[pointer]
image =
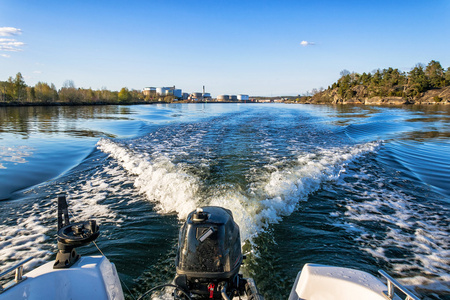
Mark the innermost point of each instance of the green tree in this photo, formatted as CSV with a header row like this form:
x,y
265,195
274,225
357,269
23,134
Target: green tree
x,y
365,78
20,88
447,77
124,95
344,85
434,73
417,81
377,78
374,87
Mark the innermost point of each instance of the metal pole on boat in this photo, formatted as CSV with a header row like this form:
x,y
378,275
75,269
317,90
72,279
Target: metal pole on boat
x,y
18,268
19,274
391,283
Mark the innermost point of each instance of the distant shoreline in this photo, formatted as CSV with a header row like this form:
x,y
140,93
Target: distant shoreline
x,y
19,104
437,96
422,85
388,101
25,104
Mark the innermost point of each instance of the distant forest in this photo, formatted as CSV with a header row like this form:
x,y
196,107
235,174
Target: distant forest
x,y
390,82
15,91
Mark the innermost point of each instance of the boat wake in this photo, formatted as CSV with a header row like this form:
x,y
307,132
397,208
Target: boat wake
x,y
32,235
273,191
407,231
386,208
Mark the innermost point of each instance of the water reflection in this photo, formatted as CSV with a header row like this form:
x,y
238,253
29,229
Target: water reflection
x,y
428,122
427,135
38,143
57,119
14,155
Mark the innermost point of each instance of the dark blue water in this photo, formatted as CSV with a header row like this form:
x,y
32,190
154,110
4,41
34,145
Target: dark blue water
x,y
360,187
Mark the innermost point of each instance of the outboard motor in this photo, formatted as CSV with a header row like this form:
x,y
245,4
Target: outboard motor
x,y
209,255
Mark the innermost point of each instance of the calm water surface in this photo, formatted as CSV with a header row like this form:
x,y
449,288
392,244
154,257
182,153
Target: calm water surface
x,y
360,187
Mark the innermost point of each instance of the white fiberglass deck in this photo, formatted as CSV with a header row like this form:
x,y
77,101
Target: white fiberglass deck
x,y
319,282
91,277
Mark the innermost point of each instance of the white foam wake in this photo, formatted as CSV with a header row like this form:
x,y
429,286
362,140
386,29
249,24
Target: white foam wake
x,y
165,184
22,239
275,191
279,192
29,235
412,228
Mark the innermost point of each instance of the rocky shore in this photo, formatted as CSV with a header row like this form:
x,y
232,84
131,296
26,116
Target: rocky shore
x,y
435,96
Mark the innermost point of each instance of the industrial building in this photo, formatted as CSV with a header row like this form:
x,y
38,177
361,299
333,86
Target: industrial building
x,y
200,97
163,91
223,98
239,97
149,91
178,93
242,97
196,96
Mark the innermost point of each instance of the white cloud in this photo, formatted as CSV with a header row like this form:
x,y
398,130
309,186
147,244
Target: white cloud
x,y
7,56
37,72
306,43
8,31
10,45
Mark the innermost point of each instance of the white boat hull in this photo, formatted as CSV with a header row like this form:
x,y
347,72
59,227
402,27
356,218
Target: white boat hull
x,y
91,277
319,282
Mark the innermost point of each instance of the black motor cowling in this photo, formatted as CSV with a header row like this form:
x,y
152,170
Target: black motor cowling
x,y
209,252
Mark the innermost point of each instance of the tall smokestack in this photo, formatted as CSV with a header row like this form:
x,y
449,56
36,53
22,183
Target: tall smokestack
x,y
203,89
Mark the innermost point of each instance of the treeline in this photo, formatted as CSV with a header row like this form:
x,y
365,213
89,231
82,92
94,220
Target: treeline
x,y
392,82
15,91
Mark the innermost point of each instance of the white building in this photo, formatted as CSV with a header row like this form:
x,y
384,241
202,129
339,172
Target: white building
x,y
162,90
148,91
242,97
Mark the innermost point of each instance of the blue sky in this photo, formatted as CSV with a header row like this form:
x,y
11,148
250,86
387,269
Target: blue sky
x,y
231,47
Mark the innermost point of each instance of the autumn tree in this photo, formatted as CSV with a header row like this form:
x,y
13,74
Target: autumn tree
x,y
44,92
137,95
68,93
31,94
124,95
6,90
